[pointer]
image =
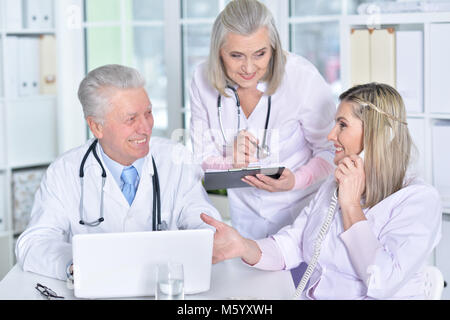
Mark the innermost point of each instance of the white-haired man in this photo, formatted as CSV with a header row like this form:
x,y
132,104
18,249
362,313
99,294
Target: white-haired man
x,y
110,183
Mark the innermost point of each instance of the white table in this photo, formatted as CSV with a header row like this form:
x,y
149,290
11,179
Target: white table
x,y
231,279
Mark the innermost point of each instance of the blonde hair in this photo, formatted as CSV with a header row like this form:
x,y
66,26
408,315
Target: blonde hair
x,y
244,17
387,142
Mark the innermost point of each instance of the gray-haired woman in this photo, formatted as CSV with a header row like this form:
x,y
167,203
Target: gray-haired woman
x,y
253,103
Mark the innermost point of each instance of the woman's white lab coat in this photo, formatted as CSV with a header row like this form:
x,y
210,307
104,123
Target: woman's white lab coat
x,y
379,258
45,246
302,115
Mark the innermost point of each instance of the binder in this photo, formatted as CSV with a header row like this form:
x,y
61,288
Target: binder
x,y
38,15
382,54
441,159
31,13
45,14
439,68
47,79
28,66
11,66
360,56
2,203
409,69
14,14
2,139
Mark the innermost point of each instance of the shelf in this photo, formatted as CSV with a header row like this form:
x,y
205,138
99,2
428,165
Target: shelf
x,y
30,98
5,234
437,116
386,18
434,116
316,19
398,18
29,32
416,115
31,165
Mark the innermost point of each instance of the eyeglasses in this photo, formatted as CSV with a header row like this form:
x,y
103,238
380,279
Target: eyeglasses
x,y
47,292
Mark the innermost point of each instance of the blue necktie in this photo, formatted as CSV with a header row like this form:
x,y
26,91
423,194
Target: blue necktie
x,y
128,176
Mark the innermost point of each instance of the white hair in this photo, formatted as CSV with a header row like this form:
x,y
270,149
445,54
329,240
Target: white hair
x,y
244,17
98,86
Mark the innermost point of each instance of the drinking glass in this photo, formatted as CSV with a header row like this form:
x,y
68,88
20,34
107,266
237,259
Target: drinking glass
x,y
169,281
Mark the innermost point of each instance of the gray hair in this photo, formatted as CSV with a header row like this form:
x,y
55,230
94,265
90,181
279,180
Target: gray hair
x,y
98,86
244,17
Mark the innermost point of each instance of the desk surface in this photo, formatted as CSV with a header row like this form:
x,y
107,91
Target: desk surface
x,y
231,279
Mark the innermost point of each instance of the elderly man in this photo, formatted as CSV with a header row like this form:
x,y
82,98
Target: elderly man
x,y
110,183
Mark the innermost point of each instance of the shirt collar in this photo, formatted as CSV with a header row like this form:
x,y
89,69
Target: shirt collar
x,y
261,86
116,168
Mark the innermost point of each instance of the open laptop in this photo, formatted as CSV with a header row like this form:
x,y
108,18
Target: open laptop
x,y
112,265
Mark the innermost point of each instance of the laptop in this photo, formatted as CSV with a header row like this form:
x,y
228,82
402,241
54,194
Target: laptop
x,y
114,265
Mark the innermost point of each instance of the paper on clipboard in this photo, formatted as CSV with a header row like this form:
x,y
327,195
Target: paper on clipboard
x,y
226,179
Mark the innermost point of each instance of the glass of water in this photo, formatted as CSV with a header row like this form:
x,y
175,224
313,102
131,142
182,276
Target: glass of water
x,y
169,281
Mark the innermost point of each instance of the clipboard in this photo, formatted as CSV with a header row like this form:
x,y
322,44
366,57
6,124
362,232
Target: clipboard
x,y
226,179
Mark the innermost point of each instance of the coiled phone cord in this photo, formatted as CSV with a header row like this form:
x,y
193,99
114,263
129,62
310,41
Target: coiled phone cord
x,y
317,245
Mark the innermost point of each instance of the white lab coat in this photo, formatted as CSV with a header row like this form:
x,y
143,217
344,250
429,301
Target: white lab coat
x,y
381,258
45,246
302,115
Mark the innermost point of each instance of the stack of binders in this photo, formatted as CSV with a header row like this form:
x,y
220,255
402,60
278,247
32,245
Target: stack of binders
x,y
391,57
30,67
30,61
29,14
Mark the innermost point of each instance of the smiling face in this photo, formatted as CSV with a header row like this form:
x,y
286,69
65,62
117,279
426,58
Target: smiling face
x,y
347,134
246,58
125,134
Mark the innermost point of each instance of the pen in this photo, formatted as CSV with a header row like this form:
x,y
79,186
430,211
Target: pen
x,y
261,151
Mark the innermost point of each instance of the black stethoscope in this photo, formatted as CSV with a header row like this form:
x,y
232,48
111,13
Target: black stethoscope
x,y
263,150
157,225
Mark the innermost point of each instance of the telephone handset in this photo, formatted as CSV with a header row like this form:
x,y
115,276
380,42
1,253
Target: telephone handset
x,y
318,244
361,154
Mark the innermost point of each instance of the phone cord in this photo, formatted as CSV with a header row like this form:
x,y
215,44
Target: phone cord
x,y
317,246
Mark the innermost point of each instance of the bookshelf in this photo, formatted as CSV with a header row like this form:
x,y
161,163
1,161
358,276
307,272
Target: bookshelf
x,y
28,111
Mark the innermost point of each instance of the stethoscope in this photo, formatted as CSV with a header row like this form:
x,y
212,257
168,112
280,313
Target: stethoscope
x,y
263,151
157,225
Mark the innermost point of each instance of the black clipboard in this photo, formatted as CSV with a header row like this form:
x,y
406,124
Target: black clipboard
x,y
226,179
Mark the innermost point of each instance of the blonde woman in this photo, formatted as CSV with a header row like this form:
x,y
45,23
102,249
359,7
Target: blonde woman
x,y
386,223
253,103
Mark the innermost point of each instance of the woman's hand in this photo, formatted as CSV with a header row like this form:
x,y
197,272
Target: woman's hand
x,y
284,183
244,149
351,180
228,243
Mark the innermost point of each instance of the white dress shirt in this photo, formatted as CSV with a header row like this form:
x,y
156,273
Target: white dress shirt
x,y
302,115
45,246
